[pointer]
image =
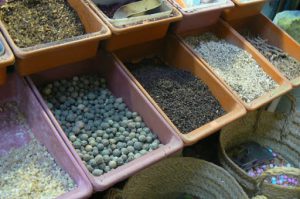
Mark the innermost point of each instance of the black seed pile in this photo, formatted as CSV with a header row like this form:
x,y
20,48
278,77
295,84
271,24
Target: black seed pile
x,y
184,98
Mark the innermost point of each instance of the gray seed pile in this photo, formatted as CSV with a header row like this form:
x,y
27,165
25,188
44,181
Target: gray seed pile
x,y
288,65
31,172
104,132
234,65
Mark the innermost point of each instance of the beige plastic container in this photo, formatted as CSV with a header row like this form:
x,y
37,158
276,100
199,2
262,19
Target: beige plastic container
x,y
177,55
243,9
45,56
140,32
224,31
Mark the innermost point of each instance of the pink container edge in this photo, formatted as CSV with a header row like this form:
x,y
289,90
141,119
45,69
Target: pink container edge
x,y
16,89
121,86
193,20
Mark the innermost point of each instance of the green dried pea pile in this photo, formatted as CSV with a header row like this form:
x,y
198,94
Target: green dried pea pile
x,y
104,132
33,22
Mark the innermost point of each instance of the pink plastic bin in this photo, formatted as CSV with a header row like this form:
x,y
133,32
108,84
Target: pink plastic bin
x,y
16,89
121,86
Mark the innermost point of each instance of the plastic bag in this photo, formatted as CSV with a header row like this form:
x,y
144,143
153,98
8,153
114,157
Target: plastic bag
x,y
290,22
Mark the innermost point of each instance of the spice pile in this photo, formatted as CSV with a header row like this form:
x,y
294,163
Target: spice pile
x,y
185,99
31,172
288,65
104,132
27,171
234,65
33,22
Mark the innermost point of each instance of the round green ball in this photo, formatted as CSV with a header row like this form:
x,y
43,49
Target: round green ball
x,y
105,142
99,159
95,151
107,169
138,119
116,152
72,138
112,164
97,172
86,157
88,148
105,152
84,137
130,149
143,152
84,142
124,151
142,138
138,146
92,162
106,158
93,143
100,146
77,144
112,141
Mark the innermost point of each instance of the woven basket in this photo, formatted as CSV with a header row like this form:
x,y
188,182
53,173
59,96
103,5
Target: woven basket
x,y
275,130
168,178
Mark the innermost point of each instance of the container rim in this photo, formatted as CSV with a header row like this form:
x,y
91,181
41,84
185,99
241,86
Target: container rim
x,y
251,2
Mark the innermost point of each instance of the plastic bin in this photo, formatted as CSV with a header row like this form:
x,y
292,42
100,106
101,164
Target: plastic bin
x,y
177,55
141,32
16,89
5,60
199,17
243,9
121,86
262,26
224,31
45,56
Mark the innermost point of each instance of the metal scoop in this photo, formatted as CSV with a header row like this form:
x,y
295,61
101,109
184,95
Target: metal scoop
x,y
136,8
